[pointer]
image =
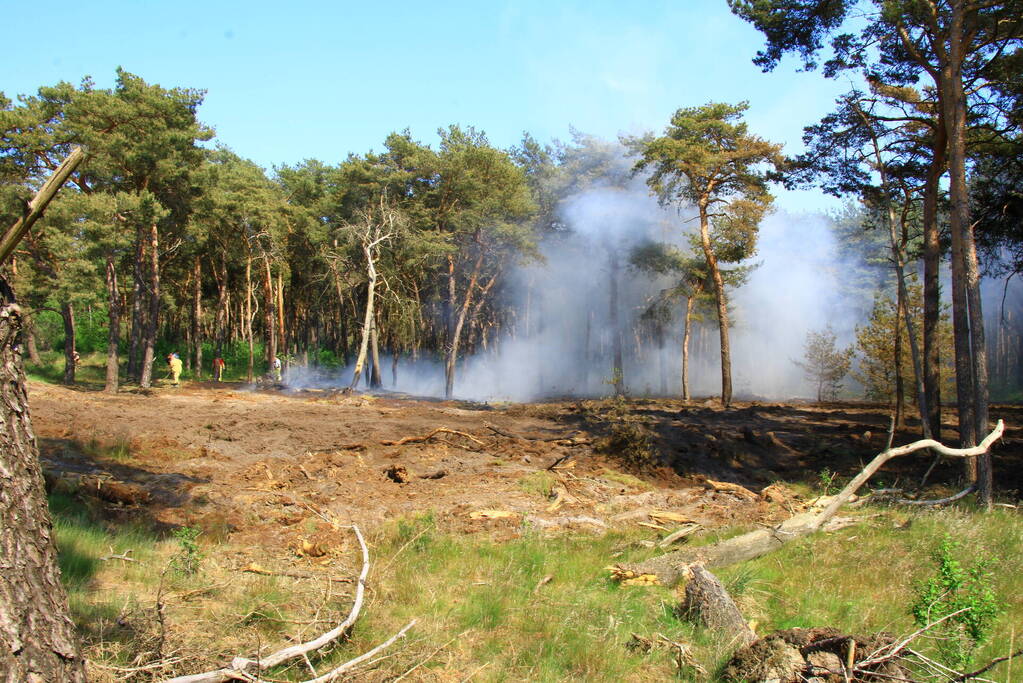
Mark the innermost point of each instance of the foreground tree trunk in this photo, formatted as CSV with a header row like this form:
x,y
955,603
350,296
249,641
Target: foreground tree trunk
x,y
37,638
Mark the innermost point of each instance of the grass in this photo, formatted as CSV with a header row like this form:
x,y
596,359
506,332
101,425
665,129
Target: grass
x,y
488,609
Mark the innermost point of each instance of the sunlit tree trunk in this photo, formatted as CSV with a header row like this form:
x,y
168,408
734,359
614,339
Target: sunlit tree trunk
x,y
686,329
722,304
37,636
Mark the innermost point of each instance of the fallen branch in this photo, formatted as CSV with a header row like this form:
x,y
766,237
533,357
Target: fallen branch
x,y
123,557
242,667
435,432
543,439
254,568
671,566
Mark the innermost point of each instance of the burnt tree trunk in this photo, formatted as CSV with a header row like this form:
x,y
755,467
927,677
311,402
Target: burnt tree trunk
x,y
37,637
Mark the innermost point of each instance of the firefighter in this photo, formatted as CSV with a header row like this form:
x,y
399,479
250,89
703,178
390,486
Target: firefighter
x,y
218,369
275,364
174,361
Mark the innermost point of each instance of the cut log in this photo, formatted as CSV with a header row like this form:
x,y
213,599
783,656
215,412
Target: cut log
x,y
707,603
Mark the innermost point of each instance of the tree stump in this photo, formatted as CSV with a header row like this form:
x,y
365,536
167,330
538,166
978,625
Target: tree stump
x,y
707,602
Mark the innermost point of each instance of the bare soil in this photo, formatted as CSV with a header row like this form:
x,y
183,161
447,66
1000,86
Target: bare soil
x,y
251,465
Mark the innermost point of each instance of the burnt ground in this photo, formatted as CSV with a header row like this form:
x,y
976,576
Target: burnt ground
x,y
251,465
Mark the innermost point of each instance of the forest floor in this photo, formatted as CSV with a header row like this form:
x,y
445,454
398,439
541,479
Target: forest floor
x,y
271,477
252,463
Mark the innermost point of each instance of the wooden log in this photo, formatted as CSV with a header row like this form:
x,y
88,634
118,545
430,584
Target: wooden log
x,y
708,603
670,567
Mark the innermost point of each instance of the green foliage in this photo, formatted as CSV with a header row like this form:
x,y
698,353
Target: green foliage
x,y
187,560
824,365
827,481
963,597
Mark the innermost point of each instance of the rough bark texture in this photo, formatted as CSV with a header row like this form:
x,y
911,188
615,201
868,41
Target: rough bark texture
x,y
707,602
37,639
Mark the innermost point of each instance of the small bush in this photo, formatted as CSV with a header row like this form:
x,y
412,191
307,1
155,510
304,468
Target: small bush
x,y
188,558
954,589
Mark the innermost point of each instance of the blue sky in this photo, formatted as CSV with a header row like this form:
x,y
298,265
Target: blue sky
x,y
290,81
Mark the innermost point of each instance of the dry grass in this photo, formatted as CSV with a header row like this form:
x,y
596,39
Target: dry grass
x,y
535,608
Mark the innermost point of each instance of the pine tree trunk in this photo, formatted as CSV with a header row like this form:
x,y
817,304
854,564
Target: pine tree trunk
x,y
722,305
900,392
37,637
932,287
456,333
67,313
153,322
367,320
970,350
375,379
248,317
114,327
617,371
30,344
686,329
138,289
197,317
269,312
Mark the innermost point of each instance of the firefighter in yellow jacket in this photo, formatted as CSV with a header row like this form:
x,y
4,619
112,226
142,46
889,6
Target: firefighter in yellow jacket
x,y
174,361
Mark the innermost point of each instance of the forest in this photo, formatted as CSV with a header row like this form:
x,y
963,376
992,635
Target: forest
x,y
638,297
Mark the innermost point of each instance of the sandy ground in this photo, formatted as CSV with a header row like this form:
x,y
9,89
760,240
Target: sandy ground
x,y
252,465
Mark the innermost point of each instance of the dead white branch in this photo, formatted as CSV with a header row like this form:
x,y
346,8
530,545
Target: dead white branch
x,y
671,566
245,668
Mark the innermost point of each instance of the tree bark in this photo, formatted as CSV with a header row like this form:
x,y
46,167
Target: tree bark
x,y
708,603
37,638
114,327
